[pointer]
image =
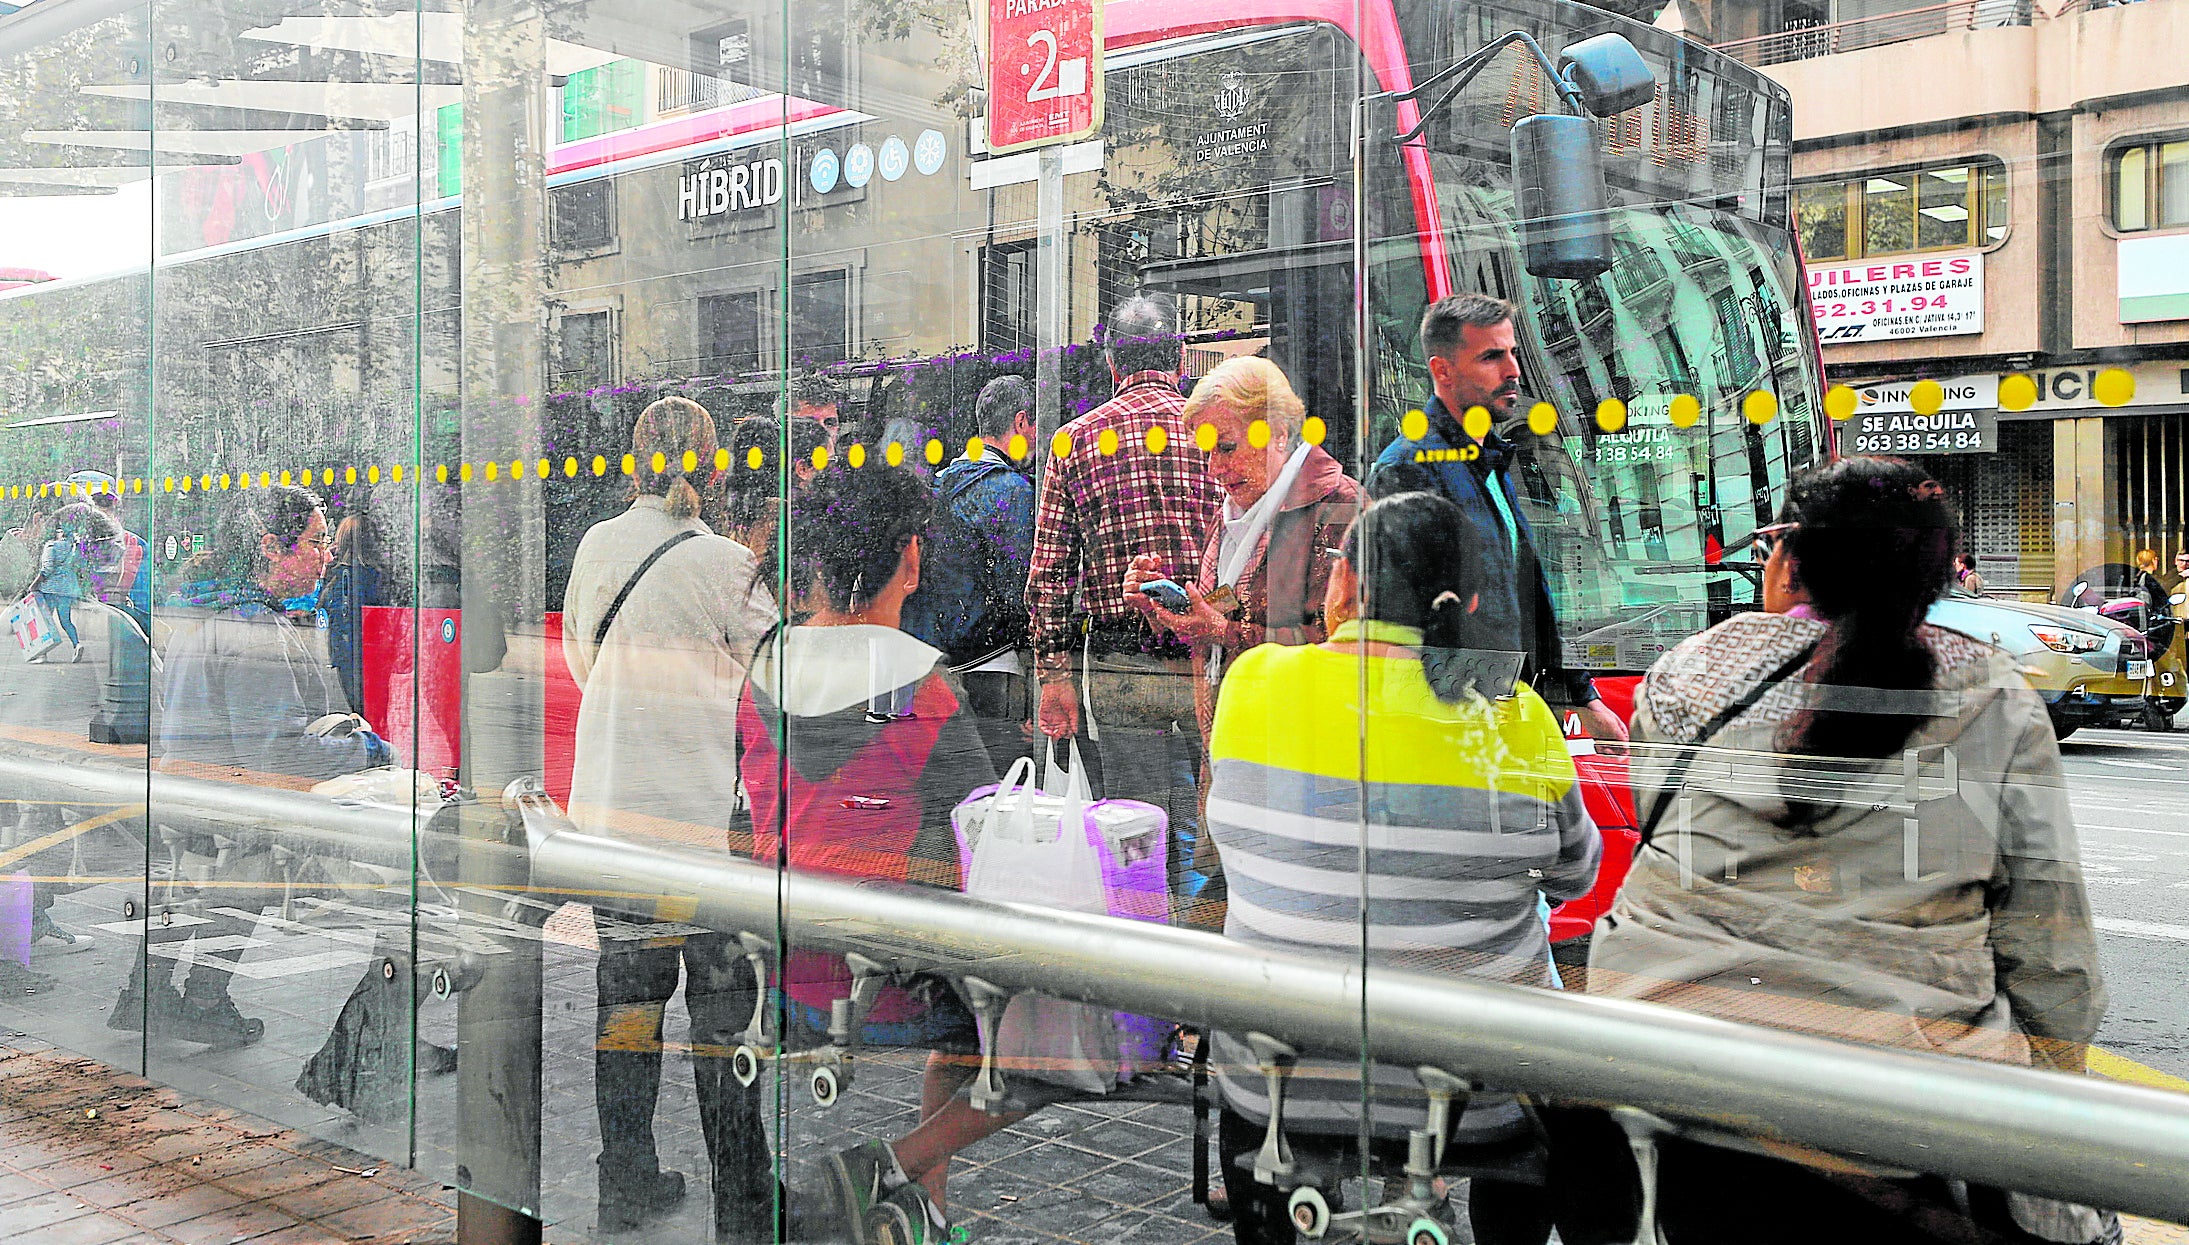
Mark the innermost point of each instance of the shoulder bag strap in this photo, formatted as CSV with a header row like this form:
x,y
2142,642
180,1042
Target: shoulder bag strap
x,y
1676,775
615,607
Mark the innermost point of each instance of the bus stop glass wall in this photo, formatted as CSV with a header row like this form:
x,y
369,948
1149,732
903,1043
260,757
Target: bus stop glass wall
x,y
77,396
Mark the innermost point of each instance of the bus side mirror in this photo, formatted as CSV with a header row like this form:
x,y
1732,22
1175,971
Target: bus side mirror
x,y
1560,196
1609,75
1565,233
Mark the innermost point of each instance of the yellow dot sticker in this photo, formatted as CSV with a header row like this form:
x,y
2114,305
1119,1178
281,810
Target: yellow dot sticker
x,y
1415,425
721,460
570,467
224,481
1611,415
265,480
440,473
1542,419
284,479
545,467
372,474
1106,444
2017,392
2114,387
398,473
1258,433
1840,402
1204,436
1061,444
753,458
1476,422
167,485
691,461
933,451
600,465
630,464
893,454
820,458
1018,448
1926,397
856,455
493,469
463,473
1157,440
349,475
659,462
975,448
1314,430
516,469
1761,407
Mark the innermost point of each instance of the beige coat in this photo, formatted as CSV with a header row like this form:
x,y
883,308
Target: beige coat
x,y
657,722
1986,950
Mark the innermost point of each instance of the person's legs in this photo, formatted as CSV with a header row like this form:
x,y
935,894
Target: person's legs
x,y
1002,714
947,1125
1258,1210
718,991
64,612
632,984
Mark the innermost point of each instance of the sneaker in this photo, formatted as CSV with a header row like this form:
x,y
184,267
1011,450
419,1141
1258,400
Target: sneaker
x,y
907,1216
129,1009
625,1205
214,1022
861,1178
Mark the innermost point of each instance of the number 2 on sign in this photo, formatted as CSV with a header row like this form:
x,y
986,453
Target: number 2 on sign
x,y
1050,83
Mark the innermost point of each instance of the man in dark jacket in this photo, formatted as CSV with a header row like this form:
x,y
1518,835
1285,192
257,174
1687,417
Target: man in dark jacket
x,y
1473,358
971,603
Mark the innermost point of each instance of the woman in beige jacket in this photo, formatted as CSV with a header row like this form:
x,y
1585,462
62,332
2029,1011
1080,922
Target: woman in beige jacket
x,y
1856,826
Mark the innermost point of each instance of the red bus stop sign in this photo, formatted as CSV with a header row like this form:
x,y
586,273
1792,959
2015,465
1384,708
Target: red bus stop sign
x,y
1044,72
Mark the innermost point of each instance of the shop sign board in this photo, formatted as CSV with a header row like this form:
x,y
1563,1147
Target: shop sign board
x,y
1044,72
1905,432
1930,295
725,185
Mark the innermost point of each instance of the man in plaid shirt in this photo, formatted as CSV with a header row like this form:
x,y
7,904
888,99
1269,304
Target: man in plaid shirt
x,y
1132,483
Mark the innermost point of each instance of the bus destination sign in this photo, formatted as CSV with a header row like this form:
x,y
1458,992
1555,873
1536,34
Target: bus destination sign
x,y
1044,72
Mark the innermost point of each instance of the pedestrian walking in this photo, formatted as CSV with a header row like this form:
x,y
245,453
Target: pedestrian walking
x,y
974,558
1470,342
1131,483
660,620
68,566
1785,880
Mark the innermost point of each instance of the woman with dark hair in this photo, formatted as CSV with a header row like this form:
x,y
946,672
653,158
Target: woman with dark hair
x,y
1471,806
1854,824
247,698
842,784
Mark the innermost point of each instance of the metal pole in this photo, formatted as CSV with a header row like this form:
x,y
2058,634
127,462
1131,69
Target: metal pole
x,y
1052,297
504,371
2082,1139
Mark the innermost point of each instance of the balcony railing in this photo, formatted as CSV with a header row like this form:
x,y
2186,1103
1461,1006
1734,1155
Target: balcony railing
x,y
1805,41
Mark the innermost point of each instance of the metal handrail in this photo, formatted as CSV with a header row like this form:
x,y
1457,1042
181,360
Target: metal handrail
x,y
2119,1146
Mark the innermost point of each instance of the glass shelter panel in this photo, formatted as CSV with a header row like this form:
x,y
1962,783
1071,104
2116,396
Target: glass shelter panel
x,y
610,604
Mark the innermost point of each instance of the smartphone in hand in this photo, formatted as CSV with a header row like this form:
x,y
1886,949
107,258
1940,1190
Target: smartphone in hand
x,y
1167,593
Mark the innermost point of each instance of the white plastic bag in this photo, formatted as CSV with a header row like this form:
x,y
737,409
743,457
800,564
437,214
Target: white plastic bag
x,y
1022,857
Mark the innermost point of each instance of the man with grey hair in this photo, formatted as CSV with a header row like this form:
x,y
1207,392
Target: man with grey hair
x,y
1122,480
1474,361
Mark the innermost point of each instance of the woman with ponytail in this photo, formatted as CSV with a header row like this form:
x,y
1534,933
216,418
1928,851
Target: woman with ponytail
x,y
1786,878
659,624
1471,807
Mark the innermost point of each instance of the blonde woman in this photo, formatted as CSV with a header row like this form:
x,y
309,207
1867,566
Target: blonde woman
x,y
1287,504
660,622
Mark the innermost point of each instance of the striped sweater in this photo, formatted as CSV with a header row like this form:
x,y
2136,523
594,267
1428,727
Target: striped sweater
x,y
1464,813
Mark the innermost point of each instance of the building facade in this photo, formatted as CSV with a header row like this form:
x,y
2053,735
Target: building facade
x,y
1996,197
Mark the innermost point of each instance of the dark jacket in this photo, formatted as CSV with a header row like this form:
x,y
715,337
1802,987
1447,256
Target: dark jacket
x,y
971,603
1515,614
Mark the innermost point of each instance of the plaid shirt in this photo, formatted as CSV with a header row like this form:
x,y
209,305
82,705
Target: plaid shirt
x,y
1098,512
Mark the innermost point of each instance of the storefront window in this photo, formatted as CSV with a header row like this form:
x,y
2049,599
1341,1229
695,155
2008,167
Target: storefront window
x,y
1895,212
2150,184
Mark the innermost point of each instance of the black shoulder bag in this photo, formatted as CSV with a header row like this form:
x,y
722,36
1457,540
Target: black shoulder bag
x,y
1677,773
615,607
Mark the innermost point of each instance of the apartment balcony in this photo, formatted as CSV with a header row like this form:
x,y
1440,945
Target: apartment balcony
x,y
1801,39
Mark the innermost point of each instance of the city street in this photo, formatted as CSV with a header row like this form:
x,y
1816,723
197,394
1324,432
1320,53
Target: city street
x,y
2128,789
